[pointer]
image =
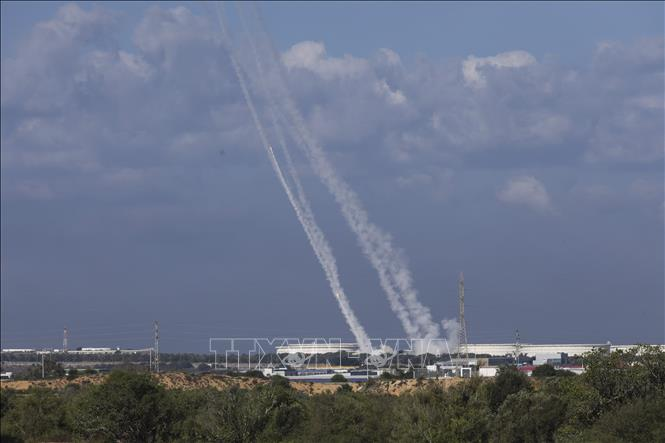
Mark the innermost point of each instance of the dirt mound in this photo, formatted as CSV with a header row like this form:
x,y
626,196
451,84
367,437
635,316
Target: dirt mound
x,y
179,380
53,383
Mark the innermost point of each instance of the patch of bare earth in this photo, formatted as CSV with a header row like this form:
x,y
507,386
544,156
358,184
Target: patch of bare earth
x,y
179,380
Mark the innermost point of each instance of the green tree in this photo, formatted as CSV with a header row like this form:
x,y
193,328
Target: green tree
x,y
623,375
348,417
544,371
529,417
459,414
338,378
37,415
642,420
128,407
508,381
72,374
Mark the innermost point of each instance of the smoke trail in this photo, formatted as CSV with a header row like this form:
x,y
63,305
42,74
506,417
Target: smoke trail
x,y
394,275
306,208
394,300
314,234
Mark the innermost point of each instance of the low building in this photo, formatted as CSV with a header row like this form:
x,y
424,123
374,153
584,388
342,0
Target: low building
x,y
317,348
488,371
533,350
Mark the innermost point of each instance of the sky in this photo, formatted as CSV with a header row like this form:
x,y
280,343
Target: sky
x,y
520,143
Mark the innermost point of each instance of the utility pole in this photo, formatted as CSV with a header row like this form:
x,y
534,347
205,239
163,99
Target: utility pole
x,y
65,335
518,347
462,345
156,347
42,365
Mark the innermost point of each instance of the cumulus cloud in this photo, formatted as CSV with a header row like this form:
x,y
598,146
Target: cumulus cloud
x,y
154,137
393,97
73,103
312,56
512,59
389,57
528,191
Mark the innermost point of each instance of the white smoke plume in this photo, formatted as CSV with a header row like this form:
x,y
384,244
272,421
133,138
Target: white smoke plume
x,y
451,326
303,211
394,275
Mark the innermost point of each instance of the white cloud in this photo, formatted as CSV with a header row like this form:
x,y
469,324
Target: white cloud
x,y
389,57
312,56
395,97
526,190
69,103
512,59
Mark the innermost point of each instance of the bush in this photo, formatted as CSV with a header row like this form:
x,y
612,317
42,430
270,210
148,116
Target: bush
x,y
457,414
128,406
349,417
544,371
254,373
387,376
278,380
640,421
621,398
508,381
525,415
37,415
338,378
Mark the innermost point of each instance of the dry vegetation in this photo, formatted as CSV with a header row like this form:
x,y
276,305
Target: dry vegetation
x,y
179,380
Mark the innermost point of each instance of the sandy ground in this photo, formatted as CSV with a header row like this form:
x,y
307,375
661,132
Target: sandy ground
x,y
177,380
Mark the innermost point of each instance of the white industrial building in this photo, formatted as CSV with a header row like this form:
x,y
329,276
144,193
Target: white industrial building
x,y
317,348
532,350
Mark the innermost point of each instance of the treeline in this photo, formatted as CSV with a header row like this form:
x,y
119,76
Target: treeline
x,y
115,356
343,358
621,397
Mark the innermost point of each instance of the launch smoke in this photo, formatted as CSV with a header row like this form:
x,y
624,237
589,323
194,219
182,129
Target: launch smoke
x,y
300,204
391,267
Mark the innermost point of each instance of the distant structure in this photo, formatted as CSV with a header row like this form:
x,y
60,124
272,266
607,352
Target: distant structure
x,y
518,346
156,347
462,345
317,348
65,334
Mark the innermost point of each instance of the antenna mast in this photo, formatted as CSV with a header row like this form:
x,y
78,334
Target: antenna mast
x,y
518,347
156,347
462,345
65,336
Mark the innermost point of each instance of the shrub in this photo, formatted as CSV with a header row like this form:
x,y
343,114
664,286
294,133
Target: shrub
x,y
128,406
338,378
524,415
508,381
72,374
254,373
544,371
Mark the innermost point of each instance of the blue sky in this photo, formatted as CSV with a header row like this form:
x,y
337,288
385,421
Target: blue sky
x,y
569,30
519,142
